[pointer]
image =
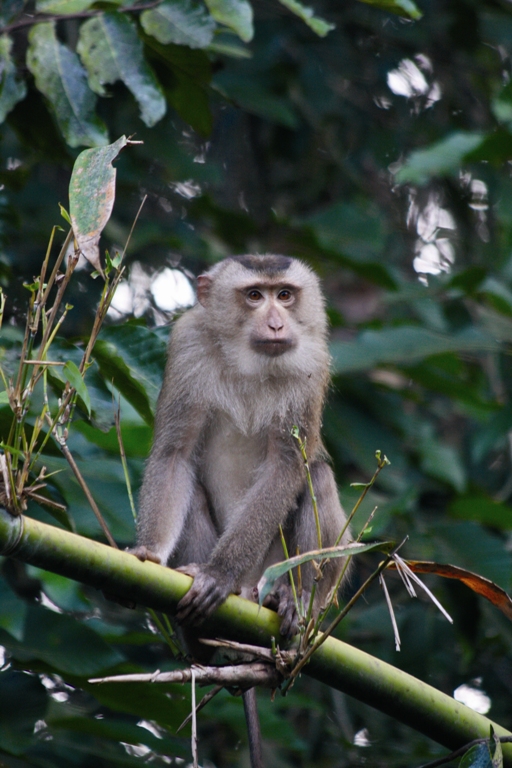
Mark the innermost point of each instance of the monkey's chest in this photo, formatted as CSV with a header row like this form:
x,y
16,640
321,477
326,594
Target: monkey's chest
x,y
228,468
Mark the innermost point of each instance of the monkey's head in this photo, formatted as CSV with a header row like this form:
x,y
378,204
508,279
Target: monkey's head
x,y
266,313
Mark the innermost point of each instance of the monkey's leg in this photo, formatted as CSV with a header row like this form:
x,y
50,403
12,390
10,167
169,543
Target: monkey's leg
x,y
198,537
301,533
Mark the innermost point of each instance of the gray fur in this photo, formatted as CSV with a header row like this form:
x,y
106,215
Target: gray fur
x,y
225,471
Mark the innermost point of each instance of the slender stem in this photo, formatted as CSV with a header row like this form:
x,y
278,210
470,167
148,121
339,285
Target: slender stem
x,y
302,447
67,453
2,306
117,422
382,461
292,581
168,636
134,221
40,17
332,626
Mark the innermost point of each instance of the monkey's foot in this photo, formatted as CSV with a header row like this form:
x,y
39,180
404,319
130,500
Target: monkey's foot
x,y
281,599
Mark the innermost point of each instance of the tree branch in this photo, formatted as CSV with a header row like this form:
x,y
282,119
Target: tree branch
x,y
337,664
40,18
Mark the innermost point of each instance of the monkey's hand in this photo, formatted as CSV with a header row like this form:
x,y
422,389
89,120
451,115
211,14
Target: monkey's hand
x,y
143,554
207,592
281,599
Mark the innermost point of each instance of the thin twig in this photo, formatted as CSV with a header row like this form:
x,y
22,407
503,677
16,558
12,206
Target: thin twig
x,y
133,226
194,721
124,462
258,651
290,573
391,611
45,17
235,675
382,461
332,626
83,485
204,701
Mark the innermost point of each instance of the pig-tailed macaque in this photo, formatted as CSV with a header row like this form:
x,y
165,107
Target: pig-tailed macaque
x,y
246,364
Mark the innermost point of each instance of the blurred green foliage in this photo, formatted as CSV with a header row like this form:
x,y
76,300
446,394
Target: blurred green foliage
x,y
380,153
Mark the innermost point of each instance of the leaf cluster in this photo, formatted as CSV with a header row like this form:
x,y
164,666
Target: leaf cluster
x,y
400,198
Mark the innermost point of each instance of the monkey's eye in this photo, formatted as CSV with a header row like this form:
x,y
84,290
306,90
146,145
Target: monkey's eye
x,y
285,295
254,295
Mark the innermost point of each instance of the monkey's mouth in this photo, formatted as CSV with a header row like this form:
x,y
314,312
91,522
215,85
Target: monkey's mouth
x,y
271,347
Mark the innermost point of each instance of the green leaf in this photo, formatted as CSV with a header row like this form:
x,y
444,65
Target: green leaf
x,y
63,592
117,730
105,479
137,438
9,9
75,378
91,196
482,509
12,88
182,60
132,358
319,26
405,344
13,611
111,50
440,159
64,7
497,758
256,98
357,235
235,14
502,104
186,90
63,643
441,461
477,756
23,702
144,700
62,80
274,572
183,22
497,294
404,8
191,102
473,547
357,230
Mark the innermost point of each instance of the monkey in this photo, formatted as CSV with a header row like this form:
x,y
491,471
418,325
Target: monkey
x,y
247,363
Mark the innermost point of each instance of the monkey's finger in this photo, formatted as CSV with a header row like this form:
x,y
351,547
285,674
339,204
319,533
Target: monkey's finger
x,y
143,554
289,622
288,612
197,604
271,601
191,569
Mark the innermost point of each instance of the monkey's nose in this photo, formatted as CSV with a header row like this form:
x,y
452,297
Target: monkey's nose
x,y
275,323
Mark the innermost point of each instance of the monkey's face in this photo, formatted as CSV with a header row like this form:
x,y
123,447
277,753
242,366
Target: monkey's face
x,y
265,315
269,317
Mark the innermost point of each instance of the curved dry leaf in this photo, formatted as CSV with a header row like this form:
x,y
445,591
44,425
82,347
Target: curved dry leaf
x,y
484,587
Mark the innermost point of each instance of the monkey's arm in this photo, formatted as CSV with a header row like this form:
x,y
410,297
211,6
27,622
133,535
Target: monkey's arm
x,y
169,483
253,527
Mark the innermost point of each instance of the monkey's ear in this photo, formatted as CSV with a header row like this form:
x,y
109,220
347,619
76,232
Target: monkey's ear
x,y
203,288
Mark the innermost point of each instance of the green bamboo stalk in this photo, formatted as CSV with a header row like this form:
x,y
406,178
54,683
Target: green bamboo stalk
x,y
335,663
